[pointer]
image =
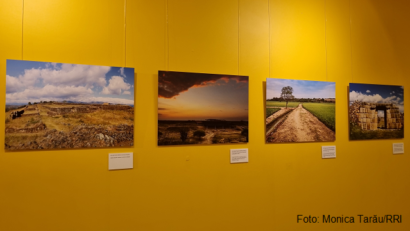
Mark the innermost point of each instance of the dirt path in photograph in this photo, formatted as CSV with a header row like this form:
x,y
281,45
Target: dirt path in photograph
x,y
277,114
301,126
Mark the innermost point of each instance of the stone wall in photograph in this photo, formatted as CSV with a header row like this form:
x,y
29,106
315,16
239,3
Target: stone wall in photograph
x,y
365,115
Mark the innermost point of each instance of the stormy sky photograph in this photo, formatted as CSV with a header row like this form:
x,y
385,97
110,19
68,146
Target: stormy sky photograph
x,y
195,96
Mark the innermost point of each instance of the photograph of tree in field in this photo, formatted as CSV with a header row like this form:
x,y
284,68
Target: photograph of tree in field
x,y
196,108
63,106
299,111
376,111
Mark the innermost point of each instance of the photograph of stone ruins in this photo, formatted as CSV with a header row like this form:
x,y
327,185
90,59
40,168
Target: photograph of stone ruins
x,y
65,106
376,112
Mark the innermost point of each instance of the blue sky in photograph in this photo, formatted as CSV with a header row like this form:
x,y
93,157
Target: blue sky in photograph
x,y
301,88
30,81
373,93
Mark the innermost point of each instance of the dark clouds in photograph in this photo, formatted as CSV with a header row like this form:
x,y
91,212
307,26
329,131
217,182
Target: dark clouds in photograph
x,y
171,84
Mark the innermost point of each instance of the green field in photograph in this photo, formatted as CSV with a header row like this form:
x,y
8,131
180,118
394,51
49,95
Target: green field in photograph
x,y
271,111
281,104
325,112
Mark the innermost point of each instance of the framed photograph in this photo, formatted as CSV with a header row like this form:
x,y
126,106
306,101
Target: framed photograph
x,y
64,106
300,111
196,108
376,111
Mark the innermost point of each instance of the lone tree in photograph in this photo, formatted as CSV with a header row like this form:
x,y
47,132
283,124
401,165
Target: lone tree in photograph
x,y
287,94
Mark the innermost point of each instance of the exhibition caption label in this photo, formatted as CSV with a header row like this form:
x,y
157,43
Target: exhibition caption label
x,y
398,148
118,161
239,156
328,152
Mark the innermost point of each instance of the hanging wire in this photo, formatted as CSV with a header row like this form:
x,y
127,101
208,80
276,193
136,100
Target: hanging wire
x,y
351,48
22,31
238,35
167,37
326,41
125,33
269,35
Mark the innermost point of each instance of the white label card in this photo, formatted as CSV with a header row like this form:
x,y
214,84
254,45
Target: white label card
x,y
239,156
118,161
398,148
328,152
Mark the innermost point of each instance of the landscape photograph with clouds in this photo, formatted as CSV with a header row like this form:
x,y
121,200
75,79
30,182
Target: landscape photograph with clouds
x,y
376,111
63,106
300,111
195,108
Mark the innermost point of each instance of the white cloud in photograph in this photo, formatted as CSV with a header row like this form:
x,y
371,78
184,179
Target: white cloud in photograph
x,y
375,98
28,81
116,86
67,75
121,71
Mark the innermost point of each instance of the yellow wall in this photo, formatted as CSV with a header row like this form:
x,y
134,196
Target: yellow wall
x,y
195,187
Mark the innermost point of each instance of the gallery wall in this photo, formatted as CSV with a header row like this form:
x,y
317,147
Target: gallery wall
x,y
195,187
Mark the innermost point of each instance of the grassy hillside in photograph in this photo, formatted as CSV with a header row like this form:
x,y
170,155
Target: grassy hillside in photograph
x,y
46,129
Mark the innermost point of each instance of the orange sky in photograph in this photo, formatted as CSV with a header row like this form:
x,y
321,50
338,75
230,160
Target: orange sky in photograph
x,y
193,96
